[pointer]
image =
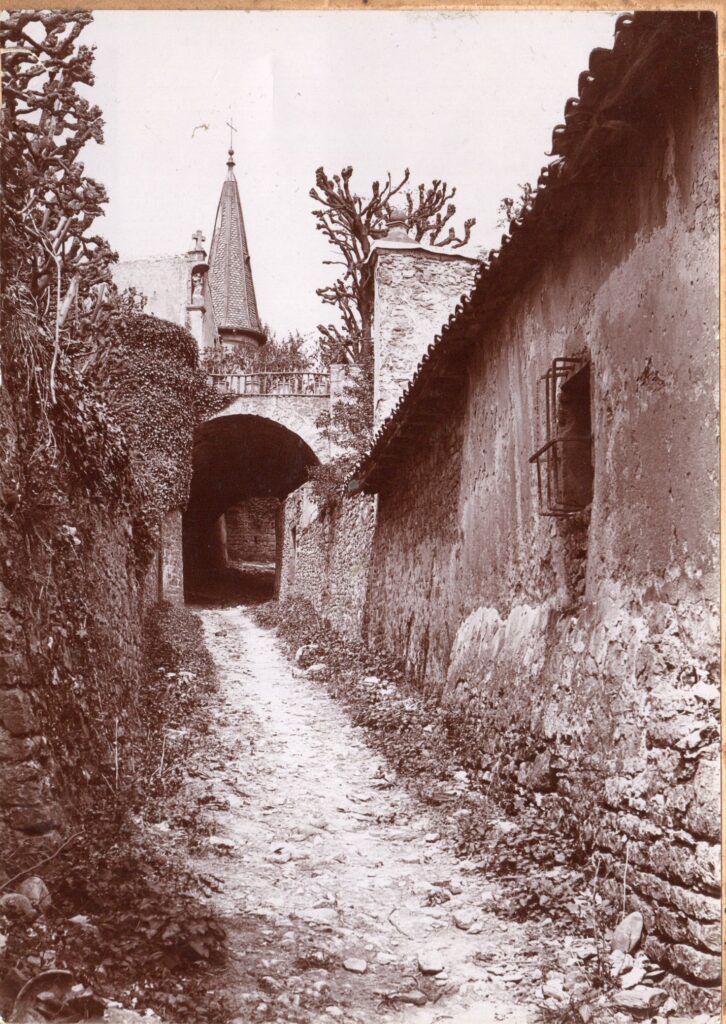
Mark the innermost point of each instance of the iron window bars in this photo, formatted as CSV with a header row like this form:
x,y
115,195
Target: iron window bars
x,y
564,460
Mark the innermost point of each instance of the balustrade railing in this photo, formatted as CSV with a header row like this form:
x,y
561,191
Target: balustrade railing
x,y
296,382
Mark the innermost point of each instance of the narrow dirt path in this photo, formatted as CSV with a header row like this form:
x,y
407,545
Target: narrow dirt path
x,y
335,884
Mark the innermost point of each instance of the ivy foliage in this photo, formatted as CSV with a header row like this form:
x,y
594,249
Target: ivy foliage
x,y
348,426
98,407
156,389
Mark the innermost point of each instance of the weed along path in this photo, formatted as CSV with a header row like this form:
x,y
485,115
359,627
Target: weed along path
x,y
342,901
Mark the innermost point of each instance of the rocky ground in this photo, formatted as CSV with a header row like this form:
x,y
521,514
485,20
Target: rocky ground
x,y
286,872
344,896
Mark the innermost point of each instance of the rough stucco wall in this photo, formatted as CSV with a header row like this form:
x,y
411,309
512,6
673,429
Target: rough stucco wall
x,y
296,412
207,331
326,557
164,280
585,654
166,283
415,292
251,530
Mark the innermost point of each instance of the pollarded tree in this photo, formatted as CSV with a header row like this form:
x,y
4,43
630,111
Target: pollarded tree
x,y
351,223
512,208
49,203
348,426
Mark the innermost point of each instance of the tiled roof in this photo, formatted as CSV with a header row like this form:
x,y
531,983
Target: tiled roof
x,y
594,125
230,273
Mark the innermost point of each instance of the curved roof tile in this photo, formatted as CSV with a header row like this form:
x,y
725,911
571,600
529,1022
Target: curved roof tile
x,y
604,68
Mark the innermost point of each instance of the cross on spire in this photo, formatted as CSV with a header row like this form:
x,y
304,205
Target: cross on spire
x,y
232,129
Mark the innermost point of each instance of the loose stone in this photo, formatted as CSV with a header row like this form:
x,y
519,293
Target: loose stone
x,y
355,966
17,907
35,889
641,998
634,977
464,919
620,962
553,989
627,934
430,963
415,998
221,842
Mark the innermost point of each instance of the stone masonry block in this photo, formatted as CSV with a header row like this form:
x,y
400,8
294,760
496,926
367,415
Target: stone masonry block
x,y
16,713
22,786
695,905
680,930
12,748
703,813
680,864
693,963
10,668
36,821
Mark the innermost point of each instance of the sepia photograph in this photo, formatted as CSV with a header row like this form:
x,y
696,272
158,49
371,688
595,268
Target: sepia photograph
x,y
360,650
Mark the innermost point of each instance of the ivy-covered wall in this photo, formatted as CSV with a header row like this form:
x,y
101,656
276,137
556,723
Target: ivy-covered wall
x,y
89,485
98,405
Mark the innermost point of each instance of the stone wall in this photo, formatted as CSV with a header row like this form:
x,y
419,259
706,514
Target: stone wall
x,y
326,557
251,531
415,291
585,651
36,796
70,623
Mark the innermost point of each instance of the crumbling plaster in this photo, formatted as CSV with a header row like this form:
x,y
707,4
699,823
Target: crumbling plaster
x,y
600,687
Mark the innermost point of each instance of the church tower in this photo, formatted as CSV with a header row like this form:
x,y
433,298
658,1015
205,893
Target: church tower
x,y
230,272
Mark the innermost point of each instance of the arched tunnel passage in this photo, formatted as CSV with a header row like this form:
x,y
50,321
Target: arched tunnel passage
x,y
237,459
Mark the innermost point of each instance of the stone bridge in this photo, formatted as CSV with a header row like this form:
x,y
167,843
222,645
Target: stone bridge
x,y
294,400
261,446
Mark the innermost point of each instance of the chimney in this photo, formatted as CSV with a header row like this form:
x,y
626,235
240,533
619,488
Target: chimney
x,y
415,289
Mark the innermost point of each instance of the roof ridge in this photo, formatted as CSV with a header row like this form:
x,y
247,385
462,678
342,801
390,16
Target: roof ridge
x,y
570,141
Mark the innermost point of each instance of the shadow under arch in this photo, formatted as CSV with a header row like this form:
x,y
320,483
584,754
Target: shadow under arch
x,y
234,458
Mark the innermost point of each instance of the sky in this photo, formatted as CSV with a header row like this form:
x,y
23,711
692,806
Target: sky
x,y
469,97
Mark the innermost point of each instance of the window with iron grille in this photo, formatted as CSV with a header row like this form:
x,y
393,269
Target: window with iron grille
x,y
564,459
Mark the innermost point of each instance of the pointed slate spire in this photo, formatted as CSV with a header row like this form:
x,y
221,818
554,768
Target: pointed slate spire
x,y
230,272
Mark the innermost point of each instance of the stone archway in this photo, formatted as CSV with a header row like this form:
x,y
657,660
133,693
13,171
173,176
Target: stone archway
x,y
236,457
297,412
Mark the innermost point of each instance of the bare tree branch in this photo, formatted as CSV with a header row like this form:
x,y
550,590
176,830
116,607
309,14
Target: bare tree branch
x,y
351,223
